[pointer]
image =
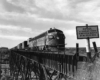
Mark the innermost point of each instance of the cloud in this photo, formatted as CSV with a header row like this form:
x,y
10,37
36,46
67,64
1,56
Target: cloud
x,y
41,8
34,21
10,7
70,32
22,5
87,11
60,11
16,16
83,11
14,37
78,10
15,28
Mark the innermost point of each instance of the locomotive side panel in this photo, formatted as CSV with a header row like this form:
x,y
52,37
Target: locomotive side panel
x,y
41,43
33,44
38,42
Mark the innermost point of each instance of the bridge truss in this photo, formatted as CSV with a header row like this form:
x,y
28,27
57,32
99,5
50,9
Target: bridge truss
x,y
43,65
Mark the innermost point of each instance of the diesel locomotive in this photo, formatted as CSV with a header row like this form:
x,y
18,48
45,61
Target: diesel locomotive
x,y
49,40
53,39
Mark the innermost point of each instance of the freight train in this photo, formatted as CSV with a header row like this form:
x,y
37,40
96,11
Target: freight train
x,y
53,39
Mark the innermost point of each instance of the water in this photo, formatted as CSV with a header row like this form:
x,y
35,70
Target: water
x,y
89,71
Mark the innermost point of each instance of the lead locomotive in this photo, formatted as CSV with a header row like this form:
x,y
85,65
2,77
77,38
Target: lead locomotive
x,y
53,39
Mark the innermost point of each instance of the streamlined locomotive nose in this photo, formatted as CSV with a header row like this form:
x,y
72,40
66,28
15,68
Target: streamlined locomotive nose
x,y
61,41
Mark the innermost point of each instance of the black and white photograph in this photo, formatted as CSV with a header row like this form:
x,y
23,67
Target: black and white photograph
x,y
49,40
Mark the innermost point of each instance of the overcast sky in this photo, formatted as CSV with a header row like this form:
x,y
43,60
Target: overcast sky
x,y
21,19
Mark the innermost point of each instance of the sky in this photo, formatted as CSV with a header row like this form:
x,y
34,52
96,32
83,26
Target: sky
x,y
22,19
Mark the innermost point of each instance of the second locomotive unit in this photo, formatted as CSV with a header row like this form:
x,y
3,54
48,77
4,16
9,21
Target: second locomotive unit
x,y
52,39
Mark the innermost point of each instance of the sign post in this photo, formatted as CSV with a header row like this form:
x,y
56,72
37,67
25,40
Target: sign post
x,y
88,46
87,32
88,41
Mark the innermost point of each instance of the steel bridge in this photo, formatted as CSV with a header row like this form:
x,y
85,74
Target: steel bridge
x,y
44,65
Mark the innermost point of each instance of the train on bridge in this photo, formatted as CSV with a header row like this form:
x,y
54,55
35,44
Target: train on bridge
x,y
51,40
46,56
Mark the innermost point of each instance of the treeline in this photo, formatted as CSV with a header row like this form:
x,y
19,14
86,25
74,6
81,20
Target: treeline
x,y
4,55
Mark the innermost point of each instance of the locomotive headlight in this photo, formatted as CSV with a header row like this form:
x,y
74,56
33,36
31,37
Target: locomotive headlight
x,y
57,37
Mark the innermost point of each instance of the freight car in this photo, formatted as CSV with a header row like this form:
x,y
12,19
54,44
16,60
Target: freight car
x,y
52,39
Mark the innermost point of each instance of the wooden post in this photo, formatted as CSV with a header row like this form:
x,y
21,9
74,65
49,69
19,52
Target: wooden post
x,y
96,51
95,48
77,54
88,42
88,49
